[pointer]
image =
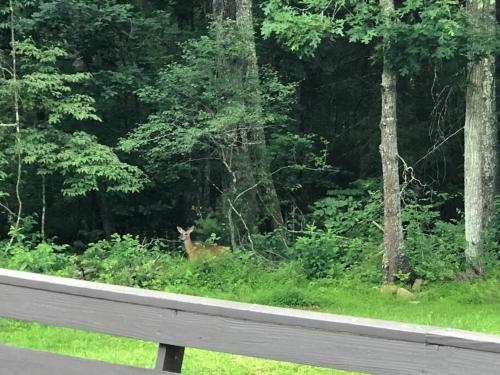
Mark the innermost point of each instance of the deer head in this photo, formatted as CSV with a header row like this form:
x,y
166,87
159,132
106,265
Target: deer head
x,y
185,234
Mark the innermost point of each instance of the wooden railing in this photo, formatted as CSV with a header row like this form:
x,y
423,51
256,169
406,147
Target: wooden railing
x,y
179,321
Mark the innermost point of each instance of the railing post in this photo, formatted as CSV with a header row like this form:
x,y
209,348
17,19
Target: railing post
x,y
170,358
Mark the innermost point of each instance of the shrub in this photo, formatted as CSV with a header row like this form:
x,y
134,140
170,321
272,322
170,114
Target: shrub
x,y
123,260
323,253
435,248
492,241
43,258
352,212
225,274
28,252
348,235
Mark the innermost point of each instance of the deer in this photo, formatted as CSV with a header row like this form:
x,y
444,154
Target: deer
x,y
197,250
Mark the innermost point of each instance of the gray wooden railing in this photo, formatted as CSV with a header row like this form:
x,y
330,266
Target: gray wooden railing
x,y
178,321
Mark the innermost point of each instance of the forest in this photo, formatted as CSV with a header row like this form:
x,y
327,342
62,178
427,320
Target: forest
x,y
322,147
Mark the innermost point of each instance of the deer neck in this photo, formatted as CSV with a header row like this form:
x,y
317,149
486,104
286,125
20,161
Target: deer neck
x,y
188,244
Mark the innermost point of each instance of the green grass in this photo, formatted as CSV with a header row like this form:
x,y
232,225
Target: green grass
x,y
471,306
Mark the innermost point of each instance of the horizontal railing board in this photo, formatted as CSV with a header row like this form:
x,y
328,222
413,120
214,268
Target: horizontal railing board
x,y
181,328
216,307
257,313
463,339
16,361
150,316
445,360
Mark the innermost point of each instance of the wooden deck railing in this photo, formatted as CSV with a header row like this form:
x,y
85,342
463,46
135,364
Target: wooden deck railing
x,y
179,321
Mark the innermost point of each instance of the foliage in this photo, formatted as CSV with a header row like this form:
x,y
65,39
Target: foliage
x,y
45,88
302,31
348,236
84,164
325,254
176,90
29,253
123,260
414,33
352,212
417,32
87,165
492,240
345,235
198,107
434,248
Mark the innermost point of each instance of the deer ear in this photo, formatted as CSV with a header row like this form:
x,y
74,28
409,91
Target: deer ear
x,y
181,231
190,229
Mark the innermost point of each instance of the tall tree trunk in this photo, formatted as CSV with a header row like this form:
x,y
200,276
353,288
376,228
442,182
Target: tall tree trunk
x,y
490,141
241,12
393,230
106,221
15,98
480,140
44,207
266,188
241,213
224,9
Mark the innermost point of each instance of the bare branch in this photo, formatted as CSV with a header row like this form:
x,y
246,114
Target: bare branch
x,y
18,121
9,211
436,146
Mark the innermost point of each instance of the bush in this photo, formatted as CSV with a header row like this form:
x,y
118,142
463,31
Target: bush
x,y
492,242
29,253
323,253
43,258
123,260
348,238
435,248
225,274
352,212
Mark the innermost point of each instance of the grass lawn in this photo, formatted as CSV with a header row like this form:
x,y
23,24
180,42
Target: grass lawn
x,y
470,306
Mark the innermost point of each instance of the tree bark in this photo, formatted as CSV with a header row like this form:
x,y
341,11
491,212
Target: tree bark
x,y
15,98
235,156
393,231
241,11
266,188
480,160
107,224
490,143
224,9
249,163
44,207
490,140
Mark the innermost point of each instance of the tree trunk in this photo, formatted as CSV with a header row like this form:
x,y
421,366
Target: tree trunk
x,y
224,9
241,11
235,156
490,140
107,224
490,143
15,96
266,188
480,141
44,207
393,230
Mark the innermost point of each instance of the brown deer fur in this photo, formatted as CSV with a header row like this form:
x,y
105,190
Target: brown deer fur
x,y
197,250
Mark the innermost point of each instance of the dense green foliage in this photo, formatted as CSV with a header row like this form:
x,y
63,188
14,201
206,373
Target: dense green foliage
x,y
138,116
